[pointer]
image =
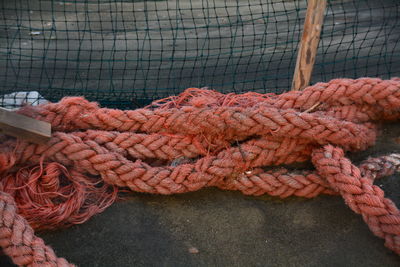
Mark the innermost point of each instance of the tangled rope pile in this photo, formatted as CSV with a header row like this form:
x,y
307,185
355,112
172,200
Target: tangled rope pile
x,y
198,139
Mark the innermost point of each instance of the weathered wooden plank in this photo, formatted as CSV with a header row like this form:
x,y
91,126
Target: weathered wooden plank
x,y
309,43
23,127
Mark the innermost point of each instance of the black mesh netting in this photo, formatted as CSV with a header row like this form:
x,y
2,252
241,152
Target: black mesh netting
x,y
127,53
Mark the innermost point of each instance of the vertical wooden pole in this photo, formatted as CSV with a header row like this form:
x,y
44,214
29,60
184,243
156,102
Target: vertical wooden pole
x,y
309,43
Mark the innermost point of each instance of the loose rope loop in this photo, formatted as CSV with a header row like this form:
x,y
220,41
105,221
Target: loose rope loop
x,y
198,139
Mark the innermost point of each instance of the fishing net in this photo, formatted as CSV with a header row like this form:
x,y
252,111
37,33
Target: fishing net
x,y
125,54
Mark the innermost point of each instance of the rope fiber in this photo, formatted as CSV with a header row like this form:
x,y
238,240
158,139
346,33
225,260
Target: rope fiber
x,y
198,139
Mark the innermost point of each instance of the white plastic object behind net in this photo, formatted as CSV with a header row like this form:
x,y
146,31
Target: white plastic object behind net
x,y
19,99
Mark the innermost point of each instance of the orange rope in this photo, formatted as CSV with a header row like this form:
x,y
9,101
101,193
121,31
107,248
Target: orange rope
x,y
197,139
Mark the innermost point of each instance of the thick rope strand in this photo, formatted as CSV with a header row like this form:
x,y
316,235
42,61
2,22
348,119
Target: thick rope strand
x,y
18,241
380,213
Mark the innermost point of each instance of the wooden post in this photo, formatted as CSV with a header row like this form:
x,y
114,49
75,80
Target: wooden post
x,y
309,43
23,127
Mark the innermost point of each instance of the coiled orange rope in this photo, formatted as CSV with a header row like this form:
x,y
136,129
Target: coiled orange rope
x,y
197,139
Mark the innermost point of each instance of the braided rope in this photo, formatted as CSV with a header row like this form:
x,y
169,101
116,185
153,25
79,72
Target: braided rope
x,y
380,213
197,139
228,123
17,239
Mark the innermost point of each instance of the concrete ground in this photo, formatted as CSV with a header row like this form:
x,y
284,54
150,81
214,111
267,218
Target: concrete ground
x,y
226,228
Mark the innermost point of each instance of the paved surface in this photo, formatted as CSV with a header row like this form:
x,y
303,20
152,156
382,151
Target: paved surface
x,y
230,229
